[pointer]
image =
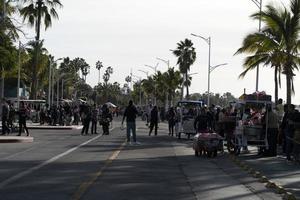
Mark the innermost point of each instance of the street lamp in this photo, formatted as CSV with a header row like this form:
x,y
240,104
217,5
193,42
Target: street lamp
x,y
210,68
57,95
208,41
51,81
165,61
21,46
258,3
146,72
140,82
155,70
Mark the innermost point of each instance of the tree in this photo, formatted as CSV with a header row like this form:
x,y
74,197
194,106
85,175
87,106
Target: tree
x,y
41,70
285,23
34,12
186,56
266,48
109,70
98,67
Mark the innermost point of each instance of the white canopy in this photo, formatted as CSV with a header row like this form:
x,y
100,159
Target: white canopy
x,y
109,104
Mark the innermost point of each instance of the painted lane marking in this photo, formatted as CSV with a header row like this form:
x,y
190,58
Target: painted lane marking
x,y
51,160
86,185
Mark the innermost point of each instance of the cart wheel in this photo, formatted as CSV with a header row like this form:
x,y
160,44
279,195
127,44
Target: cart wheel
x,y
179,135
196,153
237,150
209,154
215,153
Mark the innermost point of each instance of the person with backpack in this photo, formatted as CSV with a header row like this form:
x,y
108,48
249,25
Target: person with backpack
x,y
106,118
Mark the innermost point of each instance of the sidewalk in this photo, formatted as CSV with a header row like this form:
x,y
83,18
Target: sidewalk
x,y
31,125
15,139
276,169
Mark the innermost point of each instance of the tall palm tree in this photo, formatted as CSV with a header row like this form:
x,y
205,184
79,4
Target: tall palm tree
x,y
186,56
98,67
41,69
266,49
173,82
109,70
34,12
286,23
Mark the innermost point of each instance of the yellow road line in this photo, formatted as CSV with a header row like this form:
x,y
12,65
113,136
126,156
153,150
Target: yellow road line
x,y
86,185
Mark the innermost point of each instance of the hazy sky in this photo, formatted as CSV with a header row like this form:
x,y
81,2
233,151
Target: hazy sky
x,y
128,34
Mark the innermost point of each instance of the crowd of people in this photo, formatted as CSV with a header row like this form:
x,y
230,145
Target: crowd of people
x,y
282,123
62,115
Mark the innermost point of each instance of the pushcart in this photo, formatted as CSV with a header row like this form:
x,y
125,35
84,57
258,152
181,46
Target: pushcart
x,y
254,134
187,112
207,144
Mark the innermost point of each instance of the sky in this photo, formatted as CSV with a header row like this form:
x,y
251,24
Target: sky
x,y
129,34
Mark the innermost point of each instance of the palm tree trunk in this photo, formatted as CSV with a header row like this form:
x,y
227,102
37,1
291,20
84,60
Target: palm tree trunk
x,y
288,88
33,92
187,86
276,84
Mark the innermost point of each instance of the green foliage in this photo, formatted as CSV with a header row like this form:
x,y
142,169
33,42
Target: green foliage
x,y
186,56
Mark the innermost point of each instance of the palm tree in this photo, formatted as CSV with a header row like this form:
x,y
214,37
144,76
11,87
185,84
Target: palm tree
x,y
41,69
106,76
34,12
266,49
285,22
186,56
98,67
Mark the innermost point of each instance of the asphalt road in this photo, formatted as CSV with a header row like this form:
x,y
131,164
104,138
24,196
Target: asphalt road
x,y
62,164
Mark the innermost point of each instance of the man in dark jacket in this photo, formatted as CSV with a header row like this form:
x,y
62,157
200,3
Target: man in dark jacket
x,y
201,122
5,114
130,115
22,118
86,120
154,120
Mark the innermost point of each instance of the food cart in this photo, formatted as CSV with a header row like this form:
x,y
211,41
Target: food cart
x,y
187,111
251,131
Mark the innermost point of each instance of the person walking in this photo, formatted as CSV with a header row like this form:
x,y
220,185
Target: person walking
x,y
86,120
106,119
5,115
272,131
171,120
22,118
94,119
130,115
154,120
201,122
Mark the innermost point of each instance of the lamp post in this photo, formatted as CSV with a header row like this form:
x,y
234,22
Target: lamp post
x,y
51,80
57,95
19,72
210,68
258,3
165,61
208,41
146,72
139,81
155,70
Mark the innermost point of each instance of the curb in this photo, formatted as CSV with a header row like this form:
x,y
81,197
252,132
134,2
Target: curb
x,y
15,139
263,179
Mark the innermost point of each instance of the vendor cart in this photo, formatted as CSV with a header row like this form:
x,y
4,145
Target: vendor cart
x,y
207,144
253,131
187,112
